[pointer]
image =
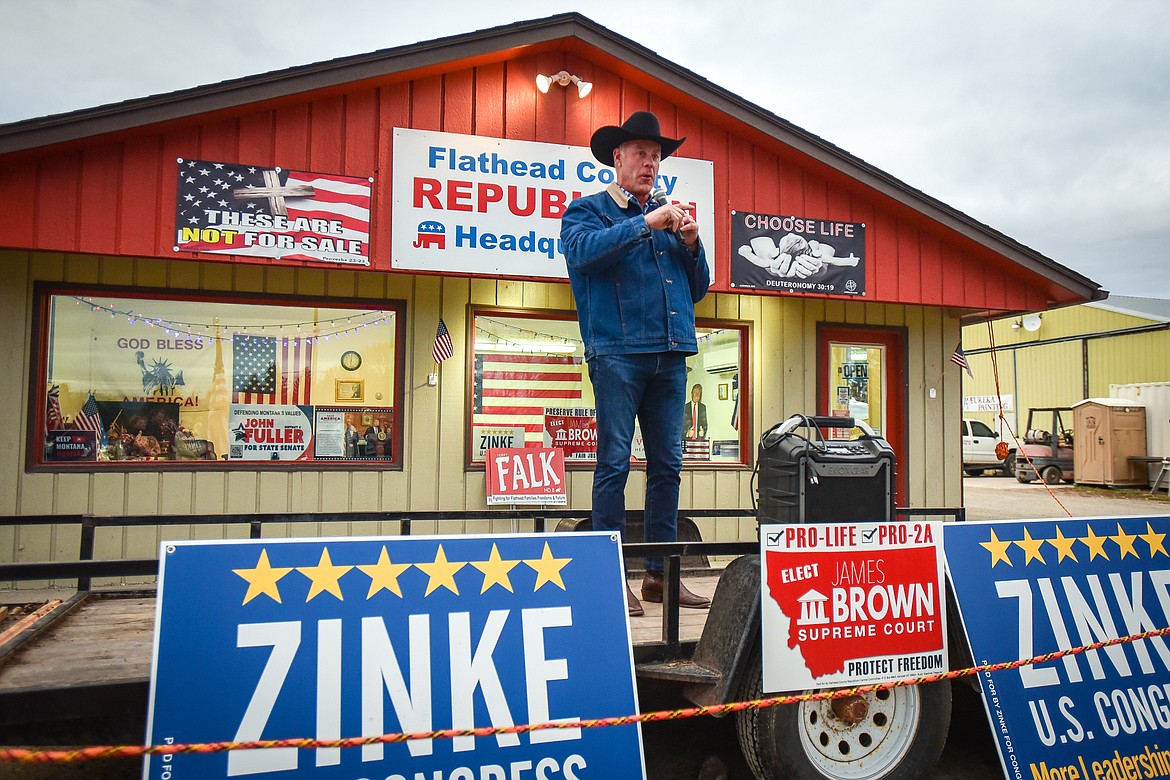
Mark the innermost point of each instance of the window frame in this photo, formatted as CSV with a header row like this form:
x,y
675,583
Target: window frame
x,y
35,421
744,327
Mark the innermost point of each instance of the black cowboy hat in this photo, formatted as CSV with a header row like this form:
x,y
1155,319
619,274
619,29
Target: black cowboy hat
x,y
641,126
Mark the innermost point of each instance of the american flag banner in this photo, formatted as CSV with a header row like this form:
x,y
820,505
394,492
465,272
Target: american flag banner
x,y
54,420
236,209
443,348
271,370
89,419
513,390
959,358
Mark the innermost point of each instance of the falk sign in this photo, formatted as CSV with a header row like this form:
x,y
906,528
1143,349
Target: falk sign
x,y
526,475
474,205
851,603
333,638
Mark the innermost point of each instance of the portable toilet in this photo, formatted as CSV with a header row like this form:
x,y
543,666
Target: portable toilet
x,y
1107,432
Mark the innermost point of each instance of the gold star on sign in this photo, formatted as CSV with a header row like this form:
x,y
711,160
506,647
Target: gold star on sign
x,y
262,579
1063,545
384,574
324,576
1125,542
495,571
1096,544
1154,540
441,572
548,569
1031,548
997,549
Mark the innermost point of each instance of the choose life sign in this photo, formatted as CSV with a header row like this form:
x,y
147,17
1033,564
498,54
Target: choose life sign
x,y
333,638
1030,587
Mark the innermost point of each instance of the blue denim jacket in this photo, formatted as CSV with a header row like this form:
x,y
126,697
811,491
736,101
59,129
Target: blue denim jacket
x,y
635,288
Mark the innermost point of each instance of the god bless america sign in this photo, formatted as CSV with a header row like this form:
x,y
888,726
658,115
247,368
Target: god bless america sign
x,y
475,205
333,638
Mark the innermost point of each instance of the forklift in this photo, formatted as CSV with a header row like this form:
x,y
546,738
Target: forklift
x,y
1046,452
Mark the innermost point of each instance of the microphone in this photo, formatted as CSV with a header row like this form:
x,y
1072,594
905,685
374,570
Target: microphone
x,y
658,195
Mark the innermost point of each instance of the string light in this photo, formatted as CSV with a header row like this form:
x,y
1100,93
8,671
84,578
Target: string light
x,y
199,331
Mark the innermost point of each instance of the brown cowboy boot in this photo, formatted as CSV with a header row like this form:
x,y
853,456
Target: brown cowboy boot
x,y
652,591
632,604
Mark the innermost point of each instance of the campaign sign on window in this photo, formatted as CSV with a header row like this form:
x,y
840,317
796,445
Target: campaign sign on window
x,y
270,432
1030,587
573,431
851,603
526,475
334,638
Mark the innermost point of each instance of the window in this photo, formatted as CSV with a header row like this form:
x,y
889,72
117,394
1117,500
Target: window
x,y
529,386
851,366
980,429
143,380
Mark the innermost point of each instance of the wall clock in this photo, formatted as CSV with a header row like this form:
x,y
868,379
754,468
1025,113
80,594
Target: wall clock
x,y
350,360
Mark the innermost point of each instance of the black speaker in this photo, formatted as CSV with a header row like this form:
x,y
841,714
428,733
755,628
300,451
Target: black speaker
x,y
814,480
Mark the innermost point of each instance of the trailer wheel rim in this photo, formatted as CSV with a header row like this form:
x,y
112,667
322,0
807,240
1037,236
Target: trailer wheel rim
x,y
868,750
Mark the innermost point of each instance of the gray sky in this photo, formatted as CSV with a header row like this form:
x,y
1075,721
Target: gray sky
x,y
1048,119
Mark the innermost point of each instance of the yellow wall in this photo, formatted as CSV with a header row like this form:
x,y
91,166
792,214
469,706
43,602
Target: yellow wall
x,y
783,372
1037,373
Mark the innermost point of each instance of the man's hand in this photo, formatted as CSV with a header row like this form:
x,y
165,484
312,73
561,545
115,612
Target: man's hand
x,y
677,220
666,217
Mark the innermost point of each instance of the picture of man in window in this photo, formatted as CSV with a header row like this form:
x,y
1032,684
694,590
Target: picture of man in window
x,y
377,440
351,437
695,415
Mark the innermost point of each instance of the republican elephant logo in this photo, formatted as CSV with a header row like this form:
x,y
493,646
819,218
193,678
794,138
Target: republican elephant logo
x,y
431,234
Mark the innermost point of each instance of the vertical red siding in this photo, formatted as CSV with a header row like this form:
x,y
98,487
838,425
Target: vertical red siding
x,y
58,195
327,135
17,182
138,198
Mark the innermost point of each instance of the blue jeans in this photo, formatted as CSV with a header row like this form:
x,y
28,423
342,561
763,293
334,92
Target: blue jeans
x,y
651,387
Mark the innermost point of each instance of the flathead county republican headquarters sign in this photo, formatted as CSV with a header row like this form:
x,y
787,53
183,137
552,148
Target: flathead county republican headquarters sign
x,y
332,638
1030,587
475,205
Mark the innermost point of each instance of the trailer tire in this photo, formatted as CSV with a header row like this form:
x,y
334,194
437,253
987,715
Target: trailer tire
x,y
901,737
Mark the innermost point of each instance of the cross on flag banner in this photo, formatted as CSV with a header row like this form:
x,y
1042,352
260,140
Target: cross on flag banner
x,y
343,637
253,211
1025,588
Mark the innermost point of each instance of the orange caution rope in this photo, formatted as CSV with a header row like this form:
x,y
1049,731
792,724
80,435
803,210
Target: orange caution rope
x,y
24,755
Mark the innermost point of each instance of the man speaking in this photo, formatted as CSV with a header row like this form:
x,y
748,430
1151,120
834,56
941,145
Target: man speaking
x,y
637,268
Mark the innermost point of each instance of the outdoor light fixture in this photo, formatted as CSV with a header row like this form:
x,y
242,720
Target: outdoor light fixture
x,y
564,79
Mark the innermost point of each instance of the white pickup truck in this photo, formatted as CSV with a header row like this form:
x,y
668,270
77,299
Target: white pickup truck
x,y
979,442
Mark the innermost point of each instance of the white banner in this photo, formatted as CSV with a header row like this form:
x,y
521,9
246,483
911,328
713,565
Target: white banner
x,y
473,205
987,403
